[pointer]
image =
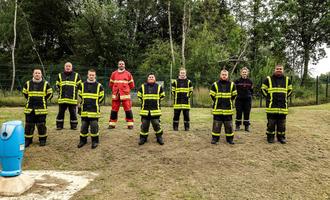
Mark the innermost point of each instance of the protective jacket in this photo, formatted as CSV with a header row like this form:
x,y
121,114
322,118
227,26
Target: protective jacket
x,y
277,89
67,83
121,83
91,94
182,90
37,93
223,93
150,96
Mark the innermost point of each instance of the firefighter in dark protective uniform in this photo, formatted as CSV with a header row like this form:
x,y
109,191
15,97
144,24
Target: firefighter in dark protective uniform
x,y
37,91
182,90
223,92
92,94
243,100
276,88
67,85
150,95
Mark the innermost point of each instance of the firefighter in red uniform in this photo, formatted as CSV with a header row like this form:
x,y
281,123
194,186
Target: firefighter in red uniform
x,y
121,83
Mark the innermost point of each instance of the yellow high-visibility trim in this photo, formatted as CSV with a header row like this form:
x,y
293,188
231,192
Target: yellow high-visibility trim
x,y
215,134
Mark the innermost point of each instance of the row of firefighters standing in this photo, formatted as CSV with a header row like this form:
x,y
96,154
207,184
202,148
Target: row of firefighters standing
x,y
276,88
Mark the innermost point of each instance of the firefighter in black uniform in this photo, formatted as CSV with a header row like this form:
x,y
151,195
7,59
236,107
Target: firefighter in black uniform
x,y
92,94
37,91
276,88
243,101
223,92
150,95
67,83
182,90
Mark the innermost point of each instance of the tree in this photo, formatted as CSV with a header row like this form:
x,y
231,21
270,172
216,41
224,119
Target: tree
x,y
306,25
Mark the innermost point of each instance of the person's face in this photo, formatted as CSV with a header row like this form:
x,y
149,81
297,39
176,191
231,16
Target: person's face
x,y
224,76
68,67
121,65
151,79
37,74
91,76
182,74
244,74
279,70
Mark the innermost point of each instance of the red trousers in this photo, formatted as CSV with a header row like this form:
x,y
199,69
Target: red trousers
x,y
127,105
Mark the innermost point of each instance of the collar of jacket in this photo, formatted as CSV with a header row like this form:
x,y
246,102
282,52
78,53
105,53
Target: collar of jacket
x,y
36,81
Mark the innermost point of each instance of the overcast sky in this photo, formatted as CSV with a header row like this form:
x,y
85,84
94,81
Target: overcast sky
x,y
323,66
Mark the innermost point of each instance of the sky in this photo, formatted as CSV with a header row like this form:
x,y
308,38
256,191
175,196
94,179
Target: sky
x,y
323,66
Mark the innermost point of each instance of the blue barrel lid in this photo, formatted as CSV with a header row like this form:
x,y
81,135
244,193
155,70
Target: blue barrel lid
x,y
15,123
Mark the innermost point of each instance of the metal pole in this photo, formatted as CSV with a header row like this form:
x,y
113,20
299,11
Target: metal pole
x,y
317,90
170,101
326,88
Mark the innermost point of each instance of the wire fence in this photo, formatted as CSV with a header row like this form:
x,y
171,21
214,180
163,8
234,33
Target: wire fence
x,y
315,91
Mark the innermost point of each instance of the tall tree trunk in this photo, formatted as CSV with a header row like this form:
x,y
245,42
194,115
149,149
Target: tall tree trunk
x,y
184,26
170,31
306,61
13,50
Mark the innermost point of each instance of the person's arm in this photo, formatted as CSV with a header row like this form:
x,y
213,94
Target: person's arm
x,y
101,94
131,81
25,90
173,87
49,92
213,91
191,88
289,87
111,81
233,92
264,87
140,93
161,93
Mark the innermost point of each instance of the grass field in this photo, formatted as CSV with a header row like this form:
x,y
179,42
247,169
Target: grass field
x,y
188,166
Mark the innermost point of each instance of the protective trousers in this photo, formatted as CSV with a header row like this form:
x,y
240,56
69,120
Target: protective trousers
x,y
218,120
61,112
128,112
176,119
32,120
145,124
92,125
276,125
243,107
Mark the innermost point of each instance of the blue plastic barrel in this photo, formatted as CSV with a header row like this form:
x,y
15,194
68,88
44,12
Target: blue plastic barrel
x,y
11,148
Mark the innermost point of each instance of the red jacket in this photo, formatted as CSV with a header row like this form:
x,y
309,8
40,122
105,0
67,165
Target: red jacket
x,y
121,84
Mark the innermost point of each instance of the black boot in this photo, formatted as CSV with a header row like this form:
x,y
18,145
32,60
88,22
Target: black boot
x,y
230,139
281,138
59,125
160,139
215,139
237,128
186,126
42,142
28,141
111,127
74,125
143,139
175,126
95,142
83,141
247,128
270,138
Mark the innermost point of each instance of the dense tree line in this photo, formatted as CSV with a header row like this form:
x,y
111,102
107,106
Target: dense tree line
x,y
206,34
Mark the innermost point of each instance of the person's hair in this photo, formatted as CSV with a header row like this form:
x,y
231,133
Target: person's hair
x,y
121,61
151,73
182,69
68,63
279,65
92,70
244,68
223,70
36,68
